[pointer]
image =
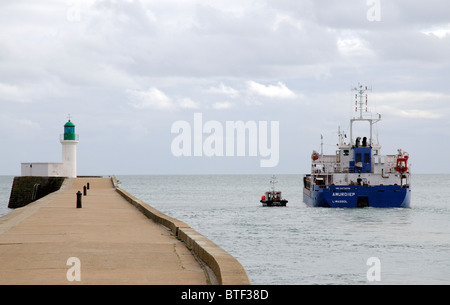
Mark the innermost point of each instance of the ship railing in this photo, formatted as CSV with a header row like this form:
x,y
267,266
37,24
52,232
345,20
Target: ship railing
x,y
327,159
328,166
390,163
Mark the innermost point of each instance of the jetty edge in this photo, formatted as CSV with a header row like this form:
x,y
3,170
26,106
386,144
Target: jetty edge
x,y
227,269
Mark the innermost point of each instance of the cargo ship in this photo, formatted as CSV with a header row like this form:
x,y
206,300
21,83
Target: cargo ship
x,y
358,175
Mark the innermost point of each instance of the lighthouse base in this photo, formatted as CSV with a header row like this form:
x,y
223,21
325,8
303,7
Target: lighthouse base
x,y
41,169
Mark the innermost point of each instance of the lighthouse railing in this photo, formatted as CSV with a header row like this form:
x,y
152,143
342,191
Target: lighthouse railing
x,y
62,138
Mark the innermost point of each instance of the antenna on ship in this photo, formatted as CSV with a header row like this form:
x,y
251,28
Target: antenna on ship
x,y
361,106
361,99
273,180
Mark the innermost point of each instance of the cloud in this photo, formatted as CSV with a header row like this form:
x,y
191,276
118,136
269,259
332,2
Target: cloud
x,y
153,98
272,91
29,124
222,105
171,55
419,114
349,43
410,113
222,89
187,103
12,93
440,31
413,105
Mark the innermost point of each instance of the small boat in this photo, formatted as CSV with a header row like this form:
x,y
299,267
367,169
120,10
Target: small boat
x,y
273,198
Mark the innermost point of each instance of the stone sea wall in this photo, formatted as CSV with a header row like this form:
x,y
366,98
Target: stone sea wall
x,y
26,189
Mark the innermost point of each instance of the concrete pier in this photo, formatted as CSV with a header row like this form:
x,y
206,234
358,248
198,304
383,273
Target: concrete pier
x,y
107,241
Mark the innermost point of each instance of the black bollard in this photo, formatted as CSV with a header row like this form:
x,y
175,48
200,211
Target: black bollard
x,y
79,200
84,190
88,185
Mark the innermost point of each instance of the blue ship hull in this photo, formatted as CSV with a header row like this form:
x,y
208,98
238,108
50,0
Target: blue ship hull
x,y
354,196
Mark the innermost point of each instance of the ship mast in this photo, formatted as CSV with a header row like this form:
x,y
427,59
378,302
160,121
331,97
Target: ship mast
x,y
361,94
273,181
361,106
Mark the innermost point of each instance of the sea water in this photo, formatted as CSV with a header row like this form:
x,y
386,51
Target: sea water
x,y
298,244
5,191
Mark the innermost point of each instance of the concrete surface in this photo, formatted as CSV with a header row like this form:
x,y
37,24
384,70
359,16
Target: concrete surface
x,y
114,242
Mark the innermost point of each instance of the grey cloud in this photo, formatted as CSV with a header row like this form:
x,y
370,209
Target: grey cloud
x,y
203,54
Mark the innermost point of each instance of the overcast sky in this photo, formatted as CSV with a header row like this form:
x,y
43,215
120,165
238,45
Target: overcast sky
x,y
127,70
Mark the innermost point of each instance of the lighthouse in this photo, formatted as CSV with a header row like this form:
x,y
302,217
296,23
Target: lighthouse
x,y
66,168
46,177
69,141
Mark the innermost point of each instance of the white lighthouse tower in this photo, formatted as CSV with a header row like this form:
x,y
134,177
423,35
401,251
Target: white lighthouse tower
x,y
69,141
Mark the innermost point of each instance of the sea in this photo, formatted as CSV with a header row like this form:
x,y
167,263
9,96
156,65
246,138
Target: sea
x,y
297,244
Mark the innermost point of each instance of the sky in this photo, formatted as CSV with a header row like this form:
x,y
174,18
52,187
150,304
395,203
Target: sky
x,y
132,73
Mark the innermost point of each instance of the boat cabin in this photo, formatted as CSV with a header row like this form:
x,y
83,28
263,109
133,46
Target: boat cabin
x,y
272,196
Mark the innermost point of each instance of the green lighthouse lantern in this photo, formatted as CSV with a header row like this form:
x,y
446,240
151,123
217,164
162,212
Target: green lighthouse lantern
x,y
69,131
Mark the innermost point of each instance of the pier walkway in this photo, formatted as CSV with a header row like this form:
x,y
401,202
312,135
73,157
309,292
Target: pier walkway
x,y
114,242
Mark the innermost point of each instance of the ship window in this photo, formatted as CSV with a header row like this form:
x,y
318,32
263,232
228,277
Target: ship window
x,y
358,158
366,158
346,152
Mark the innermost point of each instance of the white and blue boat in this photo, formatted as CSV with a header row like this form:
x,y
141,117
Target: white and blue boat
x,y
358,175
